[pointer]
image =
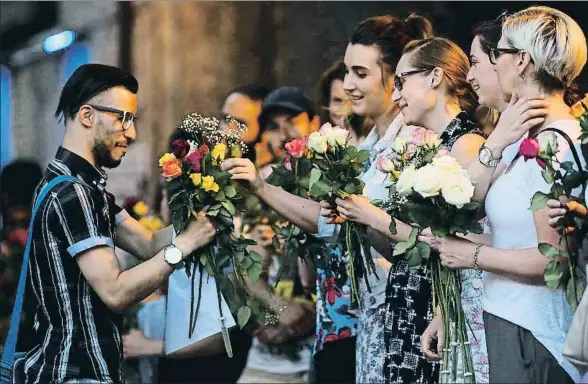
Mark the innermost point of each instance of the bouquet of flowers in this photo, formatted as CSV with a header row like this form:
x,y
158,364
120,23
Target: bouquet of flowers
x,y
195,183
293,175
563,271
324,166
430,189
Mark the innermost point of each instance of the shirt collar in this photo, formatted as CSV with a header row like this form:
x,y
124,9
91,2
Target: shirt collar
x,y
82,168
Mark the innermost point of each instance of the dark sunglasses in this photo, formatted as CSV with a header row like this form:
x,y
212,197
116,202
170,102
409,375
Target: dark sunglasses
x,y
126,118
399,78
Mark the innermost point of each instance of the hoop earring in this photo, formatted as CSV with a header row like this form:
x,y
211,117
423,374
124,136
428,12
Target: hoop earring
x,y
521,82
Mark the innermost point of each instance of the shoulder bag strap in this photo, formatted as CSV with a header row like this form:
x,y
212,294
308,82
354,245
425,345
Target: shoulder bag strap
x,y
10,346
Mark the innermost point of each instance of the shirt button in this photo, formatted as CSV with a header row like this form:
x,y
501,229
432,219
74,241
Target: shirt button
x,y
372,300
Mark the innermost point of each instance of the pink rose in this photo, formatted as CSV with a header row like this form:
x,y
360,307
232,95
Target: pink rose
x,y
297,147
529,148
419,136
443,152
288,162
384,164
541,162
195,160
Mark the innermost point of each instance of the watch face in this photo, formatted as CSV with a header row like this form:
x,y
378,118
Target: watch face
x,y
173,255
485,156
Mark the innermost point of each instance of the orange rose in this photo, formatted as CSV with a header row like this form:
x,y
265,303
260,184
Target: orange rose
x,y
172,168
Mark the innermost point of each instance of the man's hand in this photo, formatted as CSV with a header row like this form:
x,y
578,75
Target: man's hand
x,y
199,233
243,169
135,344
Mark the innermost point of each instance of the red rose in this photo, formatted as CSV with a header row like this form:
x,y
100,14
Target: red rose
x,y
195,159
204,149
529,148
18,236
297,147
541,162
181,148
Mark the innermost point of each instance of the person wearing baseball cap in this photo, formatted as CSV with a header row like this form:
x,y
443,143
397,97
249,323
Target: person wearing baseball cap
x,y
287,113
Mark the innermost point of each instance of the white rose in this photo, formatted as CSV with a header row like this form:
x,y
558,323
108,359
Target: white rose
x,y
432,140
317,143
428,181
546,140
399,146
336,136
457,190
406,180
447,164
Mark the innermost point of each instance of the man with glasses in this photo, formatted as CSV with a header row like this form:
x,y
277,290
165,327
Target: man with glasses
x,y
74,274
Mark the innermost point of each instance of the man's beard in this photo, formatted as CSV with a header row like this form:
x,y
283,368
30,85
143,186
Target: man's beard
x,y
102,155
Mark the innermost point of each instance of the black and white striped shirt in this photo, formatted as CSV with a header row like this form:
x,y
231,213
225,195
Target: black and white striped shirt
x,y
76,334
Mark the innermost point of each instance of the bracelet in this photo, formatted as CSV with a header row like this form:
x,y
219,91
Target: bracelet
x,y
273,317
476,252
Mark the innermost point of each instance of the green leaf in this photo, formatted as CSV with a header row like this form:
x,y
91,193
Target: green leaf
x,y
548,176
243,315
403,246
414,258
350,188
315,175
553,274
424,250
253,272
548,251
320,189
539,201
363,156
392,227
255,256
230,191
246,263
229,206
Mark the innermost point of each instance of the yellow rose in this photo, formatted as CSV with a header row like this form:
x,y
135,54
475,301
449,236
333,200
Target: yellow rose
x,y
219,152
457,189
208,184
406,180
165,158
427,181
577,110
141,208
447,164
317,143
196,178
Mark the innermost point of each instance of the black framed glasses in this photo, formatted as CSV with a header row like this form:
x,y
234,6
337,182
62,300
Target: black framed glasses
x,y
495,53
399,78
126,118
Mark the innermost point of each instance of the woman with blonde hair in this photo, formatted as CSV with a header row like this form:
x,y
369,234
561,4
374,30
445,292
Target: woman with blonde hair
x,y
541,51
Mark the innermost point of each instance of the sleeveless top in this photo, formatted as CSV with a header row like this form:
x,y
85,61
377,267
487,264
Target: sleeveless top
x,y
409,299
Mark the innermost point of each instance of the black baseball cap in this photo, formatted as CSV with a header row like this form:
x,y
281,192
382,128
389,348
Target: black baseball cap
x,y
288,99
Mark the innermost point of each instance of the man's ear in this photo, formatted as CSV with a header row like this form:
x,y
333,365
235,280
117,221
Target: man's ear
x,y
85,116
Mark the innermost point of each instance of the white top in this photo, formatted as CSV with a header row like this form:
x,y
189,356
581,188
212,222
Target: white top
x,y
537,308
376,188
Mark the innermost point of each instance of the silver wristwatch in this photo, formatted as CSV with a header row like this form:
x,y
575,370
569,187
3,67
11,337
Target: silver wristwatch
x,y
486,158
172,254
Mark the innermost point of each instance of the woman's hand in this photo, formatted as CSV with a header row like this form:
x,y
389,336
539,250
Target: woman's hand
x,y
329,211
243,169
520,115
433,339
455,253
136,344
359,209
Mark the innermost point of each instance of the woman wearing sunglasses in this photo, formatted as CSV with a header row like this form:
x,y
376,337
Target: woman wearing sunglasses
x,y
370,59
541,51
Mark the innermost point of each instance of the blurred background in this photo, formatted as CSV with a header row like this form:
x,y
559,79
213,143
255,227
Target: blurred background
x,y
187,56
